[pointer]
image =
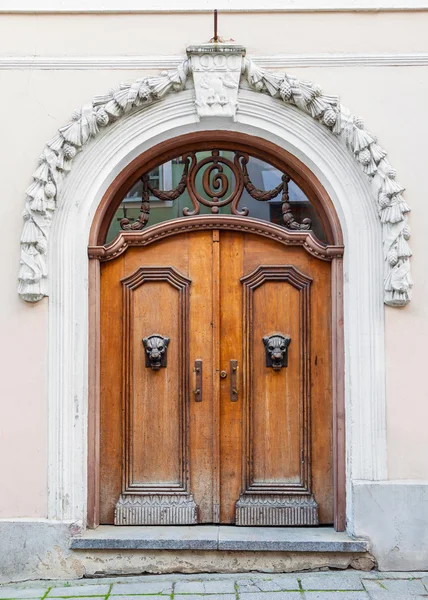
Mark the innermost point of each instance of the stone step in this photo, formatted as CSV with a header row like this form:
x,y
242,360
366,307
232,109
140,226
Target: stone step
x,y
218,537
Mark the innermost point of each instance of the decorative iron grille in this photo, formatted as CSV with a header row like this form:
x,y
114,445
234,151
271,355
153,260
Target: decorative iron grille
x,y
219,190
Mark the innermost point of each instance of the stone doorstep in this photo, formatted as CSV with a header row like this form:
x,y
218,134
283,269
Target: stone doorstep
x,y
218,537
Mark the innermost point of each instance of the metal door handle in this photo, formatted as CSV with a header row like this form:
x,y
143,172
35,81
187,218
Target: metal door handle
x,y
234,391
198,380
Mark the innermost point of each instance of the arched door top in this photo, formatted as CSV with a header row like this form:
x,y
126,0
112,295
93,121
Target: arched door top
x,y
219,71
250,155
127,239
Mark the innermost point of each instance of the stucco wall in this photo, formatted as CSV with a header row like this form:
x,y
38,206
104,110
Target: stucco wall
x,y
34,103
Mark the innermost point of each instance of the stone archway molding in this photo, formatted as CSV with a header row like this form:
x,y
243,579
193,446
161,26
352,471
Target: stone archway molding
x,y
218,70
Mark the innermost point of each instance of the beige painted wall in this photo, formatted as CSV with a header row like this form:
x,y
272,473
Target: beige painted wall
x,y
261,33
35,103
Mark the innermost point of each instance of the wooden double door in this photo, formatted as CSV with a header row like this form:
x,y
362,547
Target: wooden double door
x,y
216,400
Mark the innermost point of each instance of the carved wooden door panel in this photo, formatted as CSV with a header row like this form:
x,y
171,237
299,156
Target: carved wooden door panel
x,y
156,441
277,435
216,383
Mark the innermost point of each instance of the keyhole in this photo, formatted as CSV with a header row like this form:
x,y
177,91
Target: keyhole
x,y
223,374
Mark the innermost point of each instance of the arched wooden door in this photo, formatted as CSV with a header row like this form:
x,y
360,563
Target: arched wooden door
x,y
216,374
235,425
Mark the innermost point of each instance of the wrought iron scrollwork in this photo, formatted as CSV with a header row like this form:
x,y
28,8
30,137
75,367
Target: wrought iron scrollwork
x,y
144,215
217,189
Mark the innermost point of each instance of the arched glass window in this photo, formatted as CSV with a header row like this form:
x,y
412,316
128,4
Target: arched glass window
x,y
215,182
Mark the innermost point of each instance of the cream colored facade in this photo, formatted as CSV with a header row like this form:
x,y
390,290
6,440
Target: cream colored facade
x,y
49,65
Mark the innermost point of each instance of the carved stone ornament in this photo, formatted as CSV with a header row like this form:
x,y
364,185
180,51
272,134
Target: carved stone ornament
x,y
217,70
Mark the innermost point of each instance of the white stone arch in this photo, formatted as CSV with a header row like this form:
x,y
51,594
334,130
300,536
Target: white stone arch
x,y
218,73
93,171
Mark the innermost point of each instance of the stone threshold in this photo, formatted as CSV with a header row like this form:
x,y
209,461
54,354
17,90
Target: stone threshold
x,y
218,537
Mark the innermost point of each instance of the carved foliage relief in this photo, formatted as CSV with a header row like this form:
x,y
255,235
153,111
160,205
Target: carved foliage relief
x,y
218,71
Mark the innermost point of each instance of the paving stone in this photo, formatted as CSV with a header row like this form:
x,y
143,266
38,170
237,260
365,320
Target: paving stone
x,y
211,586
270,596
286,582
425,582
392,596
203,597
79,590
18,592
348,595
189,587
142,587
271,584
145,597
219,586
80,597
398,574
331,581
395,586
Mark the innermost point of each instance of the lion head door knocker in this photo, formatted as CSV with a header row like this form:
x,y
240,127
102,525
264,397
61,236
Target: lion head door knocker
x,y
276,348
155,346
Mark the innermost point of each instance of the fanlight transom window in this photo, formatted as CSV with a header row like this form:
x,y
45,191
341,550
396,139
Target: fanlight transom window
x,y
215,182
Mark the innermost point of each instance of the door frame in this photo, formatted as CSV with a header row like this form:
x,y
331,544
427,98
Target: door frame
x,y
97,252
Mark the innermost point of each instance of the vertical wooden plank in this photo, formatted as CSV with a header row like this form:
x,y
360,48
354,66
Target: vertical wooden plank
x,y
111,408
201,348
321,390
94,393
216,333
231,249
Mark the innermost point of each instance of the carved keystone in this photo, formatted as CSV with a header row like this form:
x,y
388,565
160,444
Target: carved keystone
x,y
216,70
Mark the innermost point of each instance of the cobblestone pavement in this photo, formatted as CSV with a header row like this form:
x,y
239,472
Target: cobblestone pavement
x,y
331,585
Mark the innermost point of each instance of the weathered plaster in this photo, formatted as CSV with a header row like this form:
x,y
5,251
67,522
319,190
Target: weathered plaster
x,y
394,516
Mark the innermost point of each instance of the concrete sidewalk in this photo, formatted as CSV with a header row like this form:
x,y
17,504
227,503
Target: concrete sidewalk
x,y
326,585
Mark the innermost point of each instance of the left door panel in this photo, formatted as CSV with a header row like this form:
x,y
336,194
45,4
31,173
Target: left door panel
x,y
152,471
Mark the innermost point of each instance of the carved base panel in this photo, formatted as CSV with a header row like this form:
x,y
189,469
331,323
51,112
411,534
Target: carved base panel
x,y
276,511
155,510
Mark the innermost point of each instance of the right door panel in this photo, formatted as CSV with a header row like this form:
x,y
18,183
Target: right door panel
x,y
282,420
